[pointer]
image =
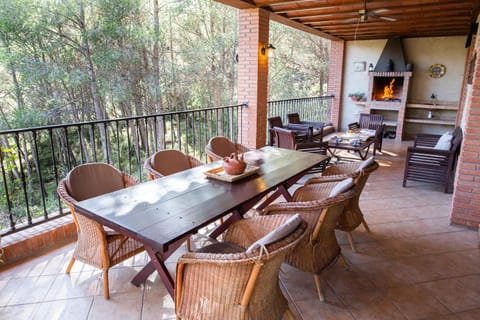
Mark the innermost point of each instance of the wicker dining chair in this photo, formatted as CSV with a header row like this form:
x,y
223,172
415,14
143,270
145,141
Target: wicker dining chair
x,y
220,147
320,186
167,162
96,245
236,283
319,249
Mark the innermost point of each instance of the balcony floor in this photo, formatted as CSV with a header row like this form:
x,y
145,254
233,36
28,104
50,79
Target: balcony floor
x,y
413,265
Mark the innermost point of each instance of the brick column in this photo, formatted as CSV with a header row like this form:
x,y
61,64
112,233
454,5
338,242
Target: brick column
x,y
335,79
466,196
253,75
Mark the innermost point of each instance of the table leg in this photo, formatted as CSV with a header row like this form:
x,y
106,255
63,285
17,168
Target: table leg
x,y
156,263
224,226
147,270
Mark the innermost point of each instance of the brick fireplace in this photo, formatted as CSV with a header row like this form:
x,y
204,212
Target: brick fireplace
x,y
387,95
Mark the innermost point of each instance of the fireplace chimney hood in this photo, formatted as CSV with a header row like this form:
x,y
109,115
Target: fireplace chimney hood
x,y
391,59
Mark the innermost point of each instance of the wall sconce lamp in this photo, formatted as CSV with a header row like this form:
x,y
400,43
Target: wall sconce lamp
x,y
270,48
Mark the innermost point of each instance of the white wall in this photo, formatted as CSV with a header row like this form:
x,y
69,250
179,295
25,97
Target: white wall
x,y
421,52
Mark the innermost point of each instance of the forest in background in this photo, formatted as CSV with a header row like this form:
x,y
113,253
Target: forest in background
x,y
80,60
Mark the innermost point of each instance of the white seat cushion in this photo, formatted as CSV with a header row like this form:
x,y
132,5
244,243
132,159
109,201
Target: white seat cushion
x,y
342,186
445,142
366,163
278,233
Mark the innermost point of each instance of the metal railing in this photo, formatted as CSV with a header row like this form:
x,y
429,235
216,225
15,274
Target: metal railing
x,y
309,109
33,160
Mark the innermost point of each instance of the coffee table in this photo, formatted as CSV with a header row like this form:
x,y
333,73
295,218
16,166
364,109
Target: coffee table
x,y
345,141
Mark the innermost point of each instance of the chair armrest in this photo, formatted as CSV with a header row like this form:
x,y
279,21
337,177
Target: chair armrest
x,y
428,151
426,140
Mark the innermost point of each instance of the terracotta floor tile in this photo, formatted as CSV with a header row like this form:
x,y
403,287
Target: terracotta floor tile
x,y
120,306
415,302
454,293
371,305
72,309
412,265
469,315
312,309
18,312
76,285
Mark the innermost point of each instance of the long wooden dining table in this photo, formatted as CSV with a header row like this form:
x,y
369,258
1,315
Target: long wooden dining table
x,y
163,213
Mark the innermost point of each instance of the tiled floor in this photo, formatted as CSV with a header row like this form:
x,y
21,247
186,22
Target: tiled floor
x,y
413,265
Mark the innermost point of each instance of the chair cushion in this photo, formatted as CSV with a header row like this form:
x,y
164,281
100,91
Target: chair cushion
x,y
342,186
278,233
328,129
222,146
366,163
221,247
93,179
170,161
445,142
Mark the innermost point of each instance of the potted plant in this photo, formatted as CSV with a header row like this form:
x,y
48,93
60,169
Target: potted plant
x,y
357,96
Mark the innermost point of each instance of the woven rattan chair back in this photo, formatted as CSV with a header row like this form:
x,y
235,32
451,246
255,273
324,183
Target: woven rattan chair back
x,y
220,147
352,216
96,246
319,248
167,162
217,286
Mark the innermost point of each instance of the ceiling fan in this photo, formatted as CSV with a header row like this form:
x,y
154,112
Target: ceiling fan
x,y
364,14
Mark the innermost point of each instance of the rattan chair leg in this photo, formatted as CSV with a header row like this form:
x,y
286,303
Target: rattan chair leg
x,y
106,293
189,244
289,314
316,277
365,225
70,265
343,262
350,239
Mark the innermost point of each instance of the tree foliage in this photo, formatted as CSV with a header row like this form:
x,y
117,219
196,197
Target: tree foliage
x,y
80,60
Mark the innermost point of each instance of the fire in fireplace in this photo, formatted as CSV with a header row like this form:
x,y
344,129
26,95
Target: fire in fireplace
x,y
387,89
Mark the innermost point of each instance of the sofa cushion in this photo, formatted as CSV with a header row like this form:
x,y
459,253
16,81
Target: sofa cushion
x,y
445,142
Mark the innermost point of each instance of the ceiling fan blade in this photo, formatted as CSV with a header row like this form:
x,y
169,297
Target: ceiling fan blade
x,y
376,16
387,18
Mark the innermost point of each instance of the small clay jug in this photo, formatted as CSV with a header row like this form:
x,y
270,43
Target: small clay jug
x,y
234,164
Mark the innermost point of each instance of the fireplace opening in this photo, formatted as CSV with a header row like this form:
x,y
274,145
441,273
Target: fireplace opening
x,y
387,89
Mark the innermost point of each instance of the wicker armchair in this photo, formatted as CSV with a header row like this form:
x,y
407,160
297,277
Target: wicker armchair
x,y
242,285
166,162
320,186
220,147
97,246
425,163
320,248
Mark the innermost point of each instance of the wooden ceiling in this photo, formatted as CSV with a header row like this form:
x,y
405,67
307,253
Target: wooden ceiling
x,y
382,19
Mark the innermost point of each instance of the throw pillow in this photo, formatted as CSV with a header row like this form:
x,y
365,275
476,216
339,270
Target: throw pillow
x,y
445,142
366,163
278,233
342,186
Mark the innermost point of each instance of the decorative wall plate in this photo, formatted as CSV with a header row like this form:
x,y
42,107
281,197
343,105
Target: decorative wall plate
x,y
437,70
